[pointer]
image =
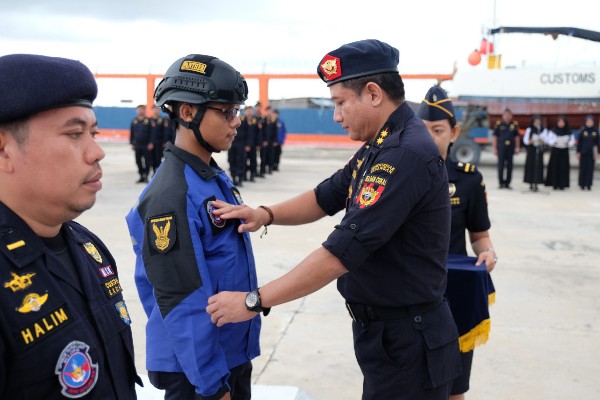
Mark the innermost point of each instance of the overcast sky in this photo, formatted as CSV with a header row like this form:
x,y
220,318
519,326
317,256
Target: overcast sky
x,y
135,36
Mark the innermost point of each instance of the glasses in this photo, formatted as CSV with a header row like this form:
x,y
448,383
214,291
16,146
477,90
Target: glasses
x,y
230,113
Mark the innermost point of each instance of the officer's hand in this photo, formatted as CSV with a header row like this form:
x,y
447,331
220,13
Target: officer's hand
x,y
489,257
226,396
227,307
252,220
150,146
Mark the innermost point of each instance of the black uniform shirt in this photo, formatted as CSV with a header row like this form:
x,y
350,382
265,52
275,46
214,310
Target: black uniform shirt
x,y
394,236
468,198
588,138
58,337
506,133
140,132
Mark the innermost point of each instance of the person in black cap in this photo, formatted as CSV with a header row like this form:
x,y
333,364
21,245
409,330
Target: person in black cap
x,y
468,199
64,326
506,143
185,253
588,145
389,252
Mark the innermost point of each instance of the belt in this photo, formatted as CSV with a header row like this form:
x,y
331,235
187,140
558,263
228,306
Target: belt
x,y
363,313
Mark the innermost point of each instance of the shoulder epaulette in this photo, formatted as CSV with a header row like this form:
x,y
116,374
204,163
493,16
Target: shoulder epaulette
x,y
466,167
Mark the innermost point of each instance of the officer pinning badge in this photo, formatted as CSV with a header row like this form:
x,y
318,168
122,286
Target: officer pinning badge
x,y
92,251
238,197
369,194
123,313
32,302
19,282
77,374
162,233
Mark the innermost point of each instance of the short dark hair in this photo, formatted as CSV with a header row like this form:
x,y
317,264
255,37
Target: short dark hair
x,y
16,128
390,82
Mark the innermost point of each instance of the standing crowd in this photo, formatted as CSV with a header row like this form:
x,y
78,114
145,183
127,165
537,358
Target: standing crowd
x,y
537,138
257,147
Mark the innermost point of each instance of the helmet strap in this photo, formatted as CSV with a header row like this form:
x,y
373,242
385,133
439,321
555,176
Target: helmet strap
x,y
195,127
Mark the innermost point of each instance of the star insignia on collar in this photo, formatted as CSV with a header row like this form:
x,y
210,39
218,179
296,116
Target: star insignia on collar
x,y
379,141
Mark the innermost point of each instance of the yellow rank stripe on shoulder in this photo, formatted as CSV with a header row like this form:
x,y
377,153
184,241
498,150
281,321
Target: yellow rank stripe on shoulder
x,y
15,245
469,167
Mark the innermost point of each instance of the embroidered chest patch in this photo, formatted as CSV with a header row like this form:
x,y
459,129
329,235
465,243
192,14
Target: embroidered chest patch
x,y
76,372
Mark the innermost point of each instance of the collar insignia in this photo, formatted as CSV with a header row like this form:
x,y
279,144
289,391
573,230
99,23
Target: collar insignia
x,y
92,251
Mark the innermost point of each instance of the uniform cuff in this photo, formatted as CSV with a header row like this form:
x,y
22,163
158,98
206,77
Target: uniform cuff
x,y
343,245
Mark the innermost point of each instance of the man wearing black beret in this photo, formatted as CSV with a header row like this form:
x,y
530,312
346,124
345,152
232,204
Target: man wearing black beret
x,y
64,326
389,252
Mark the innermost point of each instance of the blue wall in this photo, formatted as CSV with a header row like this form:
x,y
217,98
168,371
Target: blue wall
x,y
312,120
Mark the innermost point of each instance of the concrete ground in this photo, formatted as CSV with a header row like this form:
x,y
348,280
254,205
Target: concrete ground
x,y
545,338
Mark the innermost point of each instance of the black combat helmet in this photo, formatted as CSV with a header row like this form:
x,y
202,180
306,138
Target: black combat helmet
x,y
199,79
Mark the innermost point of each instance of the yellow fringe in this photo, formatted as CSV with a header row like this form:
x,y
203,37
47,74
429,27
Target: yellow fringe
x,y
491,298
475,337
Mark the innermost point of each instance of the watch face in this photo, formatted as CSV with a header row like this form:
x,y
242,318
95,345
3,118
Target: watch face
x,y
252,299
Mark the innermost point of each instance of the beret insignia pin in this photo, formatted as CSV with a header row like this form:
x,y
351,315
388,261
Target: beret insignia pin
x,y
331,68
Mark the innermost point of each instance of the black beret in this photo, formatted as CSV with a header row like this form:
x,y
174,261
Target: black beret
x,y
32,83
436,105
356,59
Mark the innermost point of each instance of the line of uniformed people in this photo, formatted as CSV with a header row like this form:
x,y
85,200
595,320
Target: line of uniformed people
x,y
257,147
148,138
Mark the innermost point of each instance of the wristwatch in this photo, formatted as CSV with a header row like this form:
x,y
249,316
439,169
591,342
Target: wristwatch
x,y
253,303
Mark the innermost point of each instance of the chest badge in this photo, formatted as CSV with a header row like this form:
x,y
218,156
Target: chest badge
x,y
452,189
92,251
19,282
32,302
76,372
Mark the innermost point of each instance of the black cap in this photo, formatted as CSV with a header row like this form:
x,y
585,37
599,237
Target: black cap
x,y
33,83
357,59
436,105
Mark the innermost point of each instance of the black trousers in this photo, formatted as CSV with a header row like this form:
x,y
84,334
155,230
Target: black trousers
x,y
505,161
177,386
413,358
143,160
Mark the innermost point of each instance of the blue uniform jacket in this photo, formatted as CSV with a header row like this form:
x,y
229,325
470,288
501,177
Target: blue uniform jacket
x,y
61,336
185,255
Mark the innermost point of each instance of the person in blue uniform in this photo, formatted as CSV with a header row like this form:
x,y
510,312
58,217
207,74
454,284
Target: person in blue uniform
x,y
389,252
588,145
278,145
534,140
560,138
141,144
184,252
468,199
64,326
506,143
